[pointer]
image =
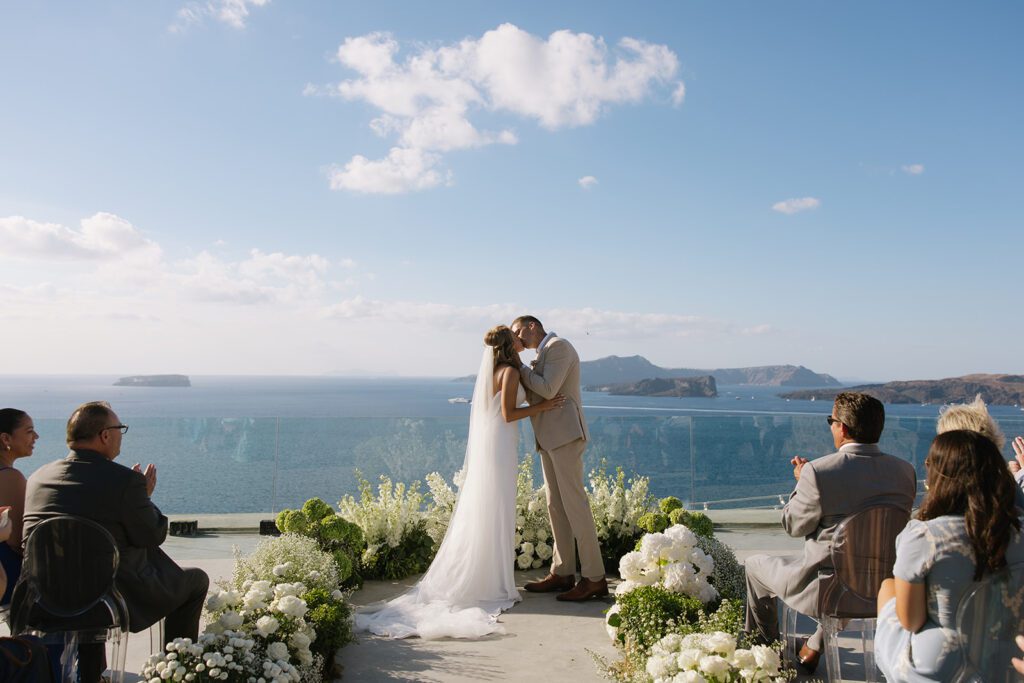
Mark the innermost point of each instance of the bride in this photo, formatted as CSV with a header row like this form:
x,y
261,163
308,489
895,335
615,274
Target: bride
x,y
470,582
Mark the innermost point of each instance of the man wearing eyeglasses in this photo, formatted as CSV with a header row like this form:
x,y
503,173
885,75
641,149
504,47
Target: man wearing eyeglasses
x,y
88,483
828,490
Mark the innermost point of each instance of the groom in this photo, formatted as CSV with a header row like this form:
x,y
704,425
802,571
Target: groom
x,y
561,439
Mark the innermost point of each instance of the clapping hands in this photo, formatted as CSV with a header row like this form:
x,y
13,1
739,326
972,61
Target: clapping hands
x,y
798,464
1018,451
149,474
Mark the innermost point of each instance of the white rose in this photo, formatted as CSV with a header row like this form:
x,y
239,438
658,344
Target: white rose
x,y
266,625
766,658
280,570
688,658
526,549
714,665
277,650
292,606
538,563
230,619
215,601
544,551
659,667
743,659
720,642
689,677
524,561
300,641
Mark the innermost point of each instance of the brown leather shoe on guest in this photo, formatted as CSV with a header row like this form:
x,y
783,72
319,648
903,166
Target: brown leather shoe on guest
x,y
550,583
808,658
585,590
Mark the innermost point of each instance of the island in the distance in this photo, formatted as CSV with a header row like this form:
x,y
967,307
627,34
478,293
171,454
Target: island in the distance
x,y
993,389
680,387
154,381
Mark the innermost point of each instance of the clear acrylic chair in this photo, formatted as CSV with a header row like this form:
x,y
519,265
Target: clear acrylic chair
x,y
988,618
863,554
66,593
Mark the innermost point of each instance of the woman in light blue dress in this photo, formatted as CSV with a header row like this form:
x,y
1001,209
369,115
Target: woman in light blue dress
x,y
967,528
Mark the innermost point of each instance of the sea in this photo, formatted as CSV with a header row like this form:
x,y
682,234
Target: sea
x,y
260,444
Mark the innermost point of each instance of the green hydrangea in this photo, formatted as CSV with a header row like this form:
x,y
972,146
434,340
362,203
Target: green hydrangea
x,y
669,504
653,522
315,509
291,522
697,522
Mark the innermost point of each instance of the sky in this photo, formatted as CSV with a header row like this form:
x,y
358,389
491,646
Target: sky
x,y
282,187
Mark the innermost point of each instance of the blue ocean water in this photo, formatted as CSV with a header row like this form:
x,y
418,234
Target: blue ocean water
x,y
248,444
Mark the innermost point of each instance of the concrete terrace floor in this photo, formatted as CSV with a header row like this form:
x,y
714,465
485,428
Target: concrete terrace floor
x,y
545,640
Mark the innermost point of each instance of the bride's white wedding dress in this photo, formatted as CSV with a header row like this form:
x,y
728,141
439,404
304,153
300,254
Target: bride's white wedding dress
x,y
471,581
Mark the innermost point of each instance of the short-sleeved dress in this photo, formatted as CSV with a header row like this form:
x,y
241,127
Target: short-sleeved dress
x,y
939,554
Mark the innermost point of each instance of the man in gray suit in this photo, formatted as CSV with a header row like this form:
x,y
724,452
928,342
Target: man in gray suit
x,y
88,483
828,490
561,436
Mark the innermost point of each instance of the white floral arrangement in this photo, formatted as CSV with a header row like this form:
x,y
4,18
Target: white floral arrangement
x,y
385,518
712,658
617,504
532,540
442,504
287,558
671,560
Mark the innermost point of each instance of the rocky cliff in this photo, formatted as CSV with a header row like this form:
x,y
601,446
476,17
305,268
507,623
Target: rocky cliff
x,y
994,389
682,387
623,370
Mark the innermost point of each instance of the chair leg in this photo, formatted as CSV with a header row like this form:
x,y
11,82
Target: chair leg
x,y
789,635
831,627
69,658
118,655
867,639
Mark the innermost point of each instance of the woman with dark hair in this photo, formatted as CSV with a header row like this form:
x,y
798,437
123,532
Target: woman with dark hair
x,y
967,528
17,439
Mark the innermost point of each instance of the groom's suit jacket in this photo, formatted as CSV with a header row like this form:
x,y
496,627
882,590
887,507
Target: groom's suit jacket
x,y
556,371
830,489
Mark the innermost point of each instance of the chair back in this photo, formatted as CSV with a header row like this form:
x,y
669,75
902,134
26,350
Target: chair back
x,y
988,618
68,568
863,555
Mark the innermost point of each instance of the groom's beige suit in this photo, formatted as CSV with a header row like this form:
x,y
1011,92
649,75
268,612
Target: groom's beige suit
x,y
561,439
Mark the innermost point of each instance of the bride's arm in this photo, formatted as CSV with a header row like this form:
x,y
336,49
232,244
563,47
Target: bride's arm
x,y
510,391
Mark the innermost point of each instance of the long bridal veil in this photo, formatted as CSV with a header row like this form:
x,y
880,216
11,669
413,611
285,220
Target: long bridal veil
x,y
471,578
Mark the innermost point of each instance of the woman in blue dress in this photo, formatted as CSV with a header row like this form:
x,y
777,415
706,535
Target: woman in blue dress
x,y
17,440
967,528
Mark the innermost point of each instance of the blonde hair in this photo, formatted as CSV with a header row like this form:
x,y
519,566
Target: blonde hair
x,y
500,337
973,417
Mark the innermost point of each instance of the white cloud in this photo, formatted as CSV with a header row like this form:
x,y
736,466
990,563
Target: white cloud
x,y
587,182
427,101
402,170
913,169
757,330
791,206
102,237
234,13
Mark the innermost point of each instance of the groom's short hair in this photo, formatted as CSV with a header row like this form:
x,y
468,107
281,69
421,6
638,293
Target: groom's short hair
x,y
525,320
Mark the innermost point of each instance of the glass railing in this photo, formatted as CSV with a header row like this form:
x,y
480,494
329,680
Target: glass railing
x,y
228,465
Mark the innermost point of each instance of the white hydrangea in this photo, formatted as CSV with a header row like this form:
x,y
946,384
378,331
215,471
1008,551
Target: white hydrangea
x,y
671,560
710,656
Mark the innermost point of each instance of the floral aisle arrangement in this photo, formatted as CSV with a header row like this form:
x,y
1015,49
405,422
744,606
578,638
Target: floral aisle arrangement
x,y
442,504
618,504
393,524
281,618
333,534
711,657
678,614
533,541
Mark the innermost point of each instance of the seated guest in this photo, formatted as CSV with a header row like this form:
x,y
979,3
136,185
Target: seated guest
x,y
17,439
975,417
828,490
5,533
966,529
88,483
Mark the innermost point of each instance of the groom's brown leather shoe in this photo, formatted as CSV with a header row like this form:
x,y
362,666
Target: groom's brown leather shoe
x,y
808,658
585,590
551,582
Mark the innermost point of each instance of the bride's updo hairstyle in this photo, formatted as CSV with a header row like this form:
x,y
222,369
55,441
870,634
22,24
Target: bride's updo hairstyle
x,y
500,337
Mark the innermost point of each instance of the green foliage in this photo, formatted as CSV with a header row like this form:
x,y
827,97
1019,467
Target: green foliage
x,y
648,613
412,555
653,522
315,509
728,618
335,535
697,522
669,504
331,619
729,577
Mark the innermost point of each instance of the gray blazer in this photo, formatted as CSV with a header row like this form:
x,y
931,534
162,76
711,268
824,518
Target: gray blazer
x,y
830,489
88,485
556,371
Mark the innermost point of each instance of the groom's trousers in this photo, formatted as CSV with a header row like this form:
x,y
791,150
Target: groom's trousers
x,y
572,522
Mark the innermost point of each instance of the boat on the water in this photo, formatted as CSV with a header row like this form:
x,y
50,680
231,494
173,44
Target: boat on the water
x,y
458,399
